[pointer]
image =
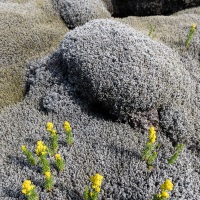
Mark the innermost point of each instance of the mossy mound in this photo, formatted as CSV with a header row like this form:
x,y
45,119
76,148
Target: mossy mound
x,y
29,30
78,12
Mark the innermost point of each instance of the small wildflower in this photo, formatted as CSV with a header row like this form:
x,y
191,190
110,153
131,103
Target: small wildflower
x,y
152,135
54,142
59,162
48,184
148,154
68,131
44,163
23,148
30,157
96,181
49,126
167,185
58,157
41,148
194,26
190,34
47,174
29,190
164,194
67,126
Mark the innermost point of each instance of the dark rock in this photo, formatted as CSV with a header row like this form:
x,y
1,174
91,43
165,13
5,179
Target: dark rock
x,y
149,7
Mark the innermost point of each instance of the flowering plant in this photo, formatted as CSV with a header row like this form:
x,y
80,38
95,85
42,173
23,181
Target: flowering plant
x,y
165,187
96,181
30,157
148,154
29,190
68,130
190,35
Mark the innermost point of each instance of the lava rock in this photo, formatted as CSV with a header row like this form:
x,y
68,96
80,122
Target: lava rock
x,y
148,7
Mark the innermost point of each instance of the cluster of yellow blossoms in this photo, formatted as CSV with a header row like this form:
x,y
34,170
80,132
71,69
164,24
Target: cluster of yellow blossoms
x,y
58,157
96,182
47,175
152,135
24,148
41,148
49,128
165,187
194,26
27,187
67,126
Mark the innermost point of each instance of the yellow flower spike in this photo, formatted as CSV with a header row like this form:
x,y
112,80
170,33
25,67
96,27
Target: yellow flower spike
x,y
47,175
164,194
49,126
194,26
27,187
58,157
53,132
167,185
24,148
152,129
96,182
91,194
67,126
152,135
41,148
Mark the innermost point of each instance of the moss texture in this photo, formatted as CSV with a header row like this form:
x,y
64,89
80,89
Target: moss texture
x,y
29,30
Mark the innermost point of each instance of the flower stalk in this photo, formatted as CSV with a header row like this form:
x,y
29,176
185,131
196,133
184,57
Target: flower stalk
x,y
54,142
92,194
28,189
148,154
165,188
42,151
59,162
48,183
178,149
30,157
190,35
68,130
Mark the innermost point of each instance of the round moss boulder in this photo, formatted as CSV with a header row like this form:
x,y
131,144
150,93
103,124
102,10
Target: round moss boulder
x,y
121,70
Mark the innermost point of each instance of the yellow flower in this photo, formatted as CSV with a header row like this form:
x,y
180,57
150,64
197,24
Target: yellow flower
x,y
194,26
27,187
164,194
152,129
67,126
43,153
167,185
91,194
96,182
53,132
47,175
49,126
24,148
152,135
58,157
41,148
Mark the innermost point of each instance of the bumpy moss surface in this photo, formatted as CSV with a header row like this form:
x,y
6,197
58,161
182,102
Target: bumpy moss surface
x,y
78,12
88,59
29,30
